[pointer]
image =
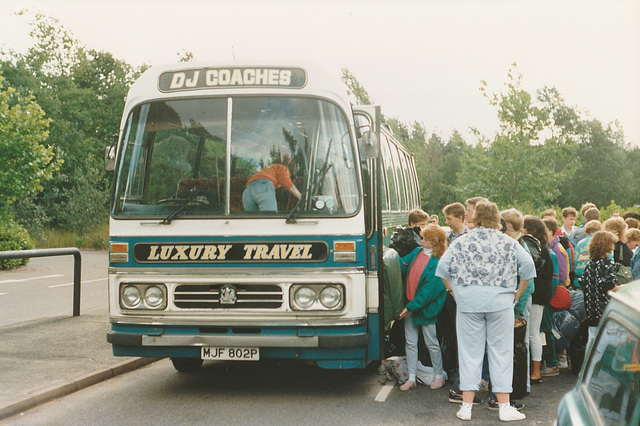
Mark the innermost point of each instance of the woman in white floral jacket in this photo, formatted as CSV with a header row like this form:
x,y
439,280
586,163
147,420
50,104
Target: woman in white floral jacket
x,y
481,268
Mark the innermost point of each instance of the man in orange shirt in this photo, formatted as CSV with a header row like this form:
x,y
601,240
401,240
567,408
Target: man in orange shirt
x,y
260,193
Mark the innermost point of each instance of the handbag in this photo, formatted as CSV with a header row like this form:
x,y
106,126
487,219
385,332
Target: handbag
x,y
623,272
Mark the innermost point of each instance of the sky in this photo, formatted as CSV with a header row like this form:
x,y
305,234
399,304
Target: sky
x,y
421,60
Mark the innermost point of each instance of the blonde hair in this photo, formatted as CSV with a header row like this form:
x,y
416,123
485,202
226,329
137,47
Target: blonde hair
x,y
633,234
473,201
592,226
549,213
513,217
585,207
487,215
617,225
437,237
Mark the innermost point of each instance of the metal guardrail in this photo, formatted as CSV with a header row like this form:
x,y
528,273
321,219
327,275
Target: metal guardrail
x,y
23,254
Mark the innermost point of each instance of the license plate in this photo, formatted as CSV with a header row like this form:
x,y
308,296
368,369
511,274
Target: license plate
x,y
230,354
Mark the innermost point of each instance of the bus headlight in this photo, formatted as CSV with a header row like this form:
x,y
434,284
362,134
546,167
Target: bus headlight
x,y
317,297
143,296
153,297
330,297
131,297
304,297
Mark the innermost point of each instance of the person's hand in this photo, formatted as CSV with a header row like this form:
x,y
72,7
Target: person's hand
x,y
403,314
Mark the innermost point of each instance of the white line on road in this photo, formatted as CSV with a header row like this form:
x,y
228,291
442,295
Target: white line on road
x,y
83,282
29,279
2,294
384,393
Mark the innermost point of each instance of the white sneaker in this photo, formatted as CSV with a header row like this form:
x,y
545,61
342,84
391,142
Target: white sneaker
x,y
562,360
464,413
510,414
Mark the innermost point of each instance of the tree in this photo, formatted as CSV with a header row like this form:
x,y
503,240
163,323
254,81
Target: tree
x,y
519,167
356,88
26,159
82,92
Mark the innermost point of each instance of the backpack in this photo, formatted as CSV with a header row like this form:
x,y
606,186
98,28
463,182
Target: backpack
x,y
405,240
623,272
535,249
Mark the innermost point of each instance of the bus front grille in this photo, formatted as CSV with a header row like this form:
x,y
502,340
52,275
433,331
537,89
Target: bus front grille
x,y
225,296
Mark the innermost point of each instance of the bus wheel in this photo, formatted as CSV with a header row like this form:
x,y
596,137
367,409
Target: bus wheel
x,y
186,365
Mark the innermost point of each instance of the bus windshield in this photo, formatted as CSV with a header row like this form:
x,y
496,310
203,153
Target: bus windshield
x,y
190,158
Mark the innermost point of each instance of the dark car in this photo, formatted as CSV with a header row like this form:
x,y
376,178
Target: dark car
x,y
608,388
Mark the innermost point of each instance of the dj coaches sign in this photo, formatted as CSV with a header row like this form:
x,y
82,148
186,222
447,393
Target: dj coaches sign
x,y
211,78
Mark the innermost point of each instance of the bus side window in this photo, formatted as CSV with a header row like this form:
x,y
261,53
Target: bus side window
x,y
387,162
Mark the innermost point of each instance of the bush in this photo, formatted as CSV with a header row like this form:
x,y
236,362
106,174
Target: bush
x,y
13,237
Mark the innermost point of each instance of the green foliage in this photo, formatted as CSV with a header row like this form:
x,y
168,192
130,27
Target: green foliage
x,y
97,239
82,92
520,166
26,160
354,85
13,237
607,212
84,212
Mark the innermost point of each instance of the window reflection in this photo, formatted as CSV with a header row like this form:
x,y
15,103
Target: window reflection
x,y
176,153
613,381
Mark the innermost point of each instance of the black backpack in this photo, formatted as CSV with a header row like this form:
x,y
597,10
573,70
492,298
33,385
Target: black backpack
x,y
405,240
534,247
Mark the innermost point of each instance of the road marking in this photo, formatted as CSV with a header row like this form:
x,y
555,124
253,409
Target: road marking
x,y
29,279
83,282
384,393
2,294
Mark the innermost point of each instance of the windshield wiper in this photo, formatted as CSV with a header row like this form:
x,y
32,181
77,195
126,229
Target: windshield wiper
x,y
184,202
318,178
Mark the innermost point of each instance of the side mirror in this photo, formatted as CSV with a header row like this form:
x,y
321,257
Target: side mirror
x,y
370,145
367,119
110,155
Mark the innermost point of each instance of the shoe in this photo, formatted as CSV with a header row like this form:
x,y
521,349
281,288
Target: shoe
x,y
456,397
494,405
408,385
437,383
535,381
464,413
484,386
549,371
510,414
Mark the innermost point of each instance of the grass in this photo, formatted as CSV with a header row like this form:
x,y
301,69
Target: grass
x,y
53,238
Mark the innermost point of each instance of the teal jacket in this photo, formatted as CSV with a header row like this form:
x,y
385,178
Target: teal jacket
x,y
430,293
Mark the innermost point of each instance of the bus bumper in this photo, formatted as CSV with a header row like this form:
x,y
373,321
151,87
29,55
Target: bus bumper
x,y
330,347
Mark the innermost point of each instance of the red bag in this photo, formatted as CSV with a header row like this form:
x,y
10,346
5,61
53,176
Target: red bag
x,y
561,301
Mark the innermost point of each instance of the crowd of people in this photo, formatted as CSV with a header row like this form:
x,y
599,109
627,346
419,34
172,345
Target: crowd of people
x,y
504,270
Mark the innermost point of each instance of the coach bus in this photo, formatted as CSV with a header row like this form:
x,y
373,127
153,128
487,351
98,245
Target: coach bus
x,y
193,274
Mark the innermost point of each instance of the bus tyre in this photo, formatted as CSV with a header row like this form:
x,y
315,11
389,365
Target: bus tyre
x,y
186,365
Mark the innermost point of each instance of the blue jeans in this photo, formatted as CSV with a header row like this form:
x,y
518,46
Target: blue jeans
x,y
260,195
